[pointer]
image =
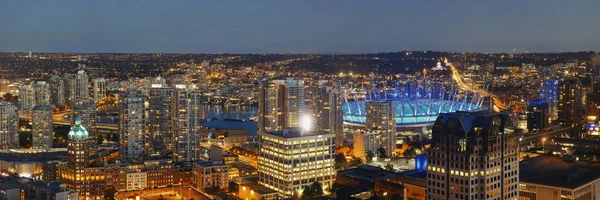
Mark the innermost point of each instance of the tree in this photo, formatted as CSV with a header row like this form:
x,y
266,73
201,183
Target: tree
x,y
370,156
340,161
410,153
100,139
382,153
109,194
312,191
389,167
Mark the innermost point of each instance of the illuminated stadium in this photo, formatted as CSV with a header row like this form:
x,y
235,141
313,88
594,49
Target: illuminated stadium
x,y
413,110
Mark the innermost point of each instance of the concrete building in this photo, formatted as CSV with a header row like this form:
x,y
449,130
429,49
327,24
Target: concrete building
x,y
9,125
381,117
10,190
550,177
291,159
26,97
42,93
326,108
137,180
366,141
99,89
187,115
211,174
42,131
81,85
280,104
47,190
252,190
473,156
132,124
161,120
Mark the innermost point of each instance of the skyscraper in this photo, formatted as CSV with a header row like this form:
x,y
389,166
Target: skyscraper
x,y
161,118
473,156
82,84
42,93
538,116
42,131
187,111
595,64
280,103
326,105
99,89
570,106
57,91
381,117
291,159
365,142
26,97
9,123
86,110
132,124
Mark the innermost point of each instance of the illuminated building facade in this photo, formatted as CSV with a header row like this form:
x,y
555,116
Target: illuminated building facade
x,y
161,120
9,124
187,115
473,156
381,117
291,159
42,93
365,142
26,97
538,115
132,124
211,174
326,106
99,89
42,131
280,103
549,92
570,106
89,182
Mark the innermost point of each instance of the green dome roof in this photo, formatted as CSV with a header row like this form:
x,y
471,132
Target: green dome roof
x,y
78,132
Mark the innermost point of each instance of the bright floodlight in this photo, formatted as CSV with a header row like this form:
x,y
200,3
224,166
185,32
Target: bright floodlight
x,y
306,123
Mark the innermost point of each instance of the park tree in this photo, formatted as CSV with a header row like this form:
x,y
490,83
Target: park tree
x,y
370,156
382,152
109,193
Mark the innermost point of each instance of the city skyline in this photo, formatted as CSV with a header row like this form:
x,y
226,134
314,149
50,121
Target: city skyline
x,y
299,27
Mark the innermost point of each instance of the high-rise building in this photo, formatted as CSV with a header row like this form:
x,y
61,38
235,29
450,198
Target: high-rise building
x,y
538,118
365,142
280,104
57,91
595,64
161,118
70,93
132,124
99,89
42,93
82,84
211,174
570,106
86,110
381,117
326,107
473,156
291,159
42,131
9,123
89,182
187,115
26,97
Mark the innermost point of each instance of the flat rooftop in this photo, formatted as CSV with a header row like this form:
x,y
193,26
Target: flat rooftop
x,y
295,133
552,170
369,173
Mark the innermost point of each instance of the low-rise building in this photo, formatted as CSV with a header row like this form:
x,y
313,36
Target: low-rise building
x,y
551,177
209,175
252,190
137,180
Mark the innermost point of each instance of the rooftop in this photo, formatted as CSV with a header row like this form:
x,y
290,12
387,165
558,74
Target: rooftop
x,y
257,188
295,132
369,173
553,171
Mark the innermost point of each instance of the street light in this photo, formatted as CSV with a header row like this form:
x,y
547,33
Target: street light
x,y
543,144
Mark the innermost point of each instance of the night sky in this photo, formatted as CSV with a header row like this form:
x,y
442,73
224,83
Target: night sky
x,y
305,26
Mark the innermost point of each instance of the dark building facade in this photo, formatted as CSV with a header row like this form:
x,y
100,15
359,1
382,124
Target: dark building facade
x,y
570,107
538,115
